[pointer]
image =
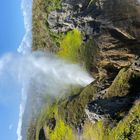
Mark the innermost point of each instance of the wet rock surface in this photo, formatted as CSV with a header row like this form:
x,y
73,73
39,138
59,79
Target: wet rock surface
x,y
113,25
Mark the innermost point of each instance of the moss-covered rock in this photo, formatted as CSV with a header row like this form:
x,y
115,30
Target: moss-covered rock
x,y
61,130
72,110
103,36
129,127
126,82
126,129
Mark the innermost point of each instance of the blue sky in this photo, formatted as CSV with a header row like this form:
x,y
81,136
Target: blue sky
x,y
11,25
11,34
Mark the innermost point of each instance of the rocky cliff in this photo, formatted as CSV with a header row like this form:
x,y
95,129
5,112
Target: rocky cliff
x,y
106,41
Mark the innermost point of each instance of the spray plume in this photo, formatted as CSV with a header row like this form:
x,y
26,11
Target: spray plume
x,y
42,74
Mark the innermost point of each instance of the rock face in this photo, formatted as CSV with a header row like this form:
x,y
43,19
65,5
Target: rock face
x,y
106,109
119,97
113,25
111,48
119,41
76,14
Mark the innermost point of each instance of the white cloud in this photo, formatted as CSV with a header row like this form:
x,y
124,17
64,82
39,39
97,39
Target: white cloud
x,y
22,109
25,46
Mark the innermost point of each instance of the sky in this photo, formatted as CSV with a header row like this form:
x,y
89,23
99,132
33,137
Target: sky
x,y
11,34
11,25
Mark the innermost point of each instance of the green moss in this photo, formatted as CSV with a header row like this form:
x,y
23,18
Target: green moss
x,y
69,46
126,82
72,110
129,127
62,131
88,55
120,86
126,129
95,131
